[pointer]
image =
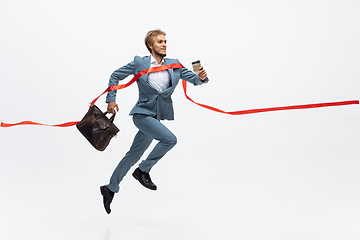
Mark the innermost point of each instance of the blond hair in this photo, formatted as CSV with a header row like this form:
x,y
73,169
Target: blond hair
x,y
149,39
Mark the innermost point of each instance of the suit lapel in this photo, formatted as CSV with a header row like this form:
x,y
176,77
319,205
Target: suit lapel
x,y
146,65
171,71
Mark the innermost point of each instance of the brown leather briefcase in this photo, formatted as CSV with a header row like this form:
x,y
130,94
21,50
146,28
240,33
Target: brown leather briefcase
x,y
97,128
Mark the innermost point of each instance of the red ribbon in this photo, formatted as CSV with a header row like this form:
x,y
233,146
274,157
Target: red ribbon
x,y
179,65
316,105
68,124
137,76
113,87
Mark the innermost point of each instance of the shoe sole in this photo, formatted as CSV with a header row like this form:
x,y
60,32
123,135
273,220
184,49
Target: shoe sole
x,y
144,184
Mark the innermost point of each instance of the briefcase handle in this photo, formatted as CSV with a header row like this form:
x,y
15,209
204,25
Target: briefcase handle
x,y
112,117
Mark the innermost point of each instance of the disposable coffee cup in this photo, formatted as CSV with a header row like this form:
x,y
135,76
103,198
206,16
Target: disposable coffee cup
x,y
196,66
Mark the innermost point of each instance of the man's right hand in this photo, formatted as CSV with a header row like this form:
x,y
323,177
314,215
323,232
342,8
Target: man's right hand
x,y
111,107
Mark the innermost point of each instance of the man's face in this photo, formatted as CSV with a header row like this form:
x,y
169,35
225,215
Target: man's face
x,y
159,46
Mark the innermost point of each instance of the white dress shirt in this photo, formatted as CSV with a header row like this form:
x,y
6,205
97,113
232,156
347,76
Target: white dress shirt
x,y
159,80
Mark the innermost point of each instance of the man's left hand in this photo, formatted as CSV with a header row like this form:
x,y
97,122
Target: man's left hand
x,y
202,74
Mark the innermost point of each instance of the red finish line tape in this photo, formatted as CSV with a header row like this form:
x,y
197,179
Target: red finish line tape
x,y
250,111
184,83
68,124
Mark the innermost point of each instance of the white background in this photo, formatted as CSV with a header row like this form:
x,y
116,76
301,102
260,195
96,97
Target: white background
x,y
279,175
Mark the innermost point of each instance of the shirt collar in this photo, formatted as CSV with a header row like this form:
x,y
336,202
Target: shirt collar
x,y
153,61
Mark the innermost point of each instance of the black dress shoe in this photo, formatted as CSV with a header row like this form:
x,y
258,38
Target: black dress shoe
x,y
144,179
107,197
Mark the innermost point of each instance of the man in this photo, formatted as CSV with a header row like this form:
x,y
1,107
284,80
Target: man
x,y
154,104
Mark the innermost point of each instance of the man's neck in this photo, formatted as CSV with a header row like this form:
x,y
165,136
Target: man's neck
x,y
157,58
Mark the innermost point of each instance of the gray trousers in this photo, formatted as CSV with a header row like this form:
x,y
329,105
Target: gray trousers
x,y
149,129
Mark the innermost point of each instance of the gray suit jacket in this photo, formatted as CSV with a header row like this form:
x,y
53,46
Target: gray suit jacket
x,y
151,102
